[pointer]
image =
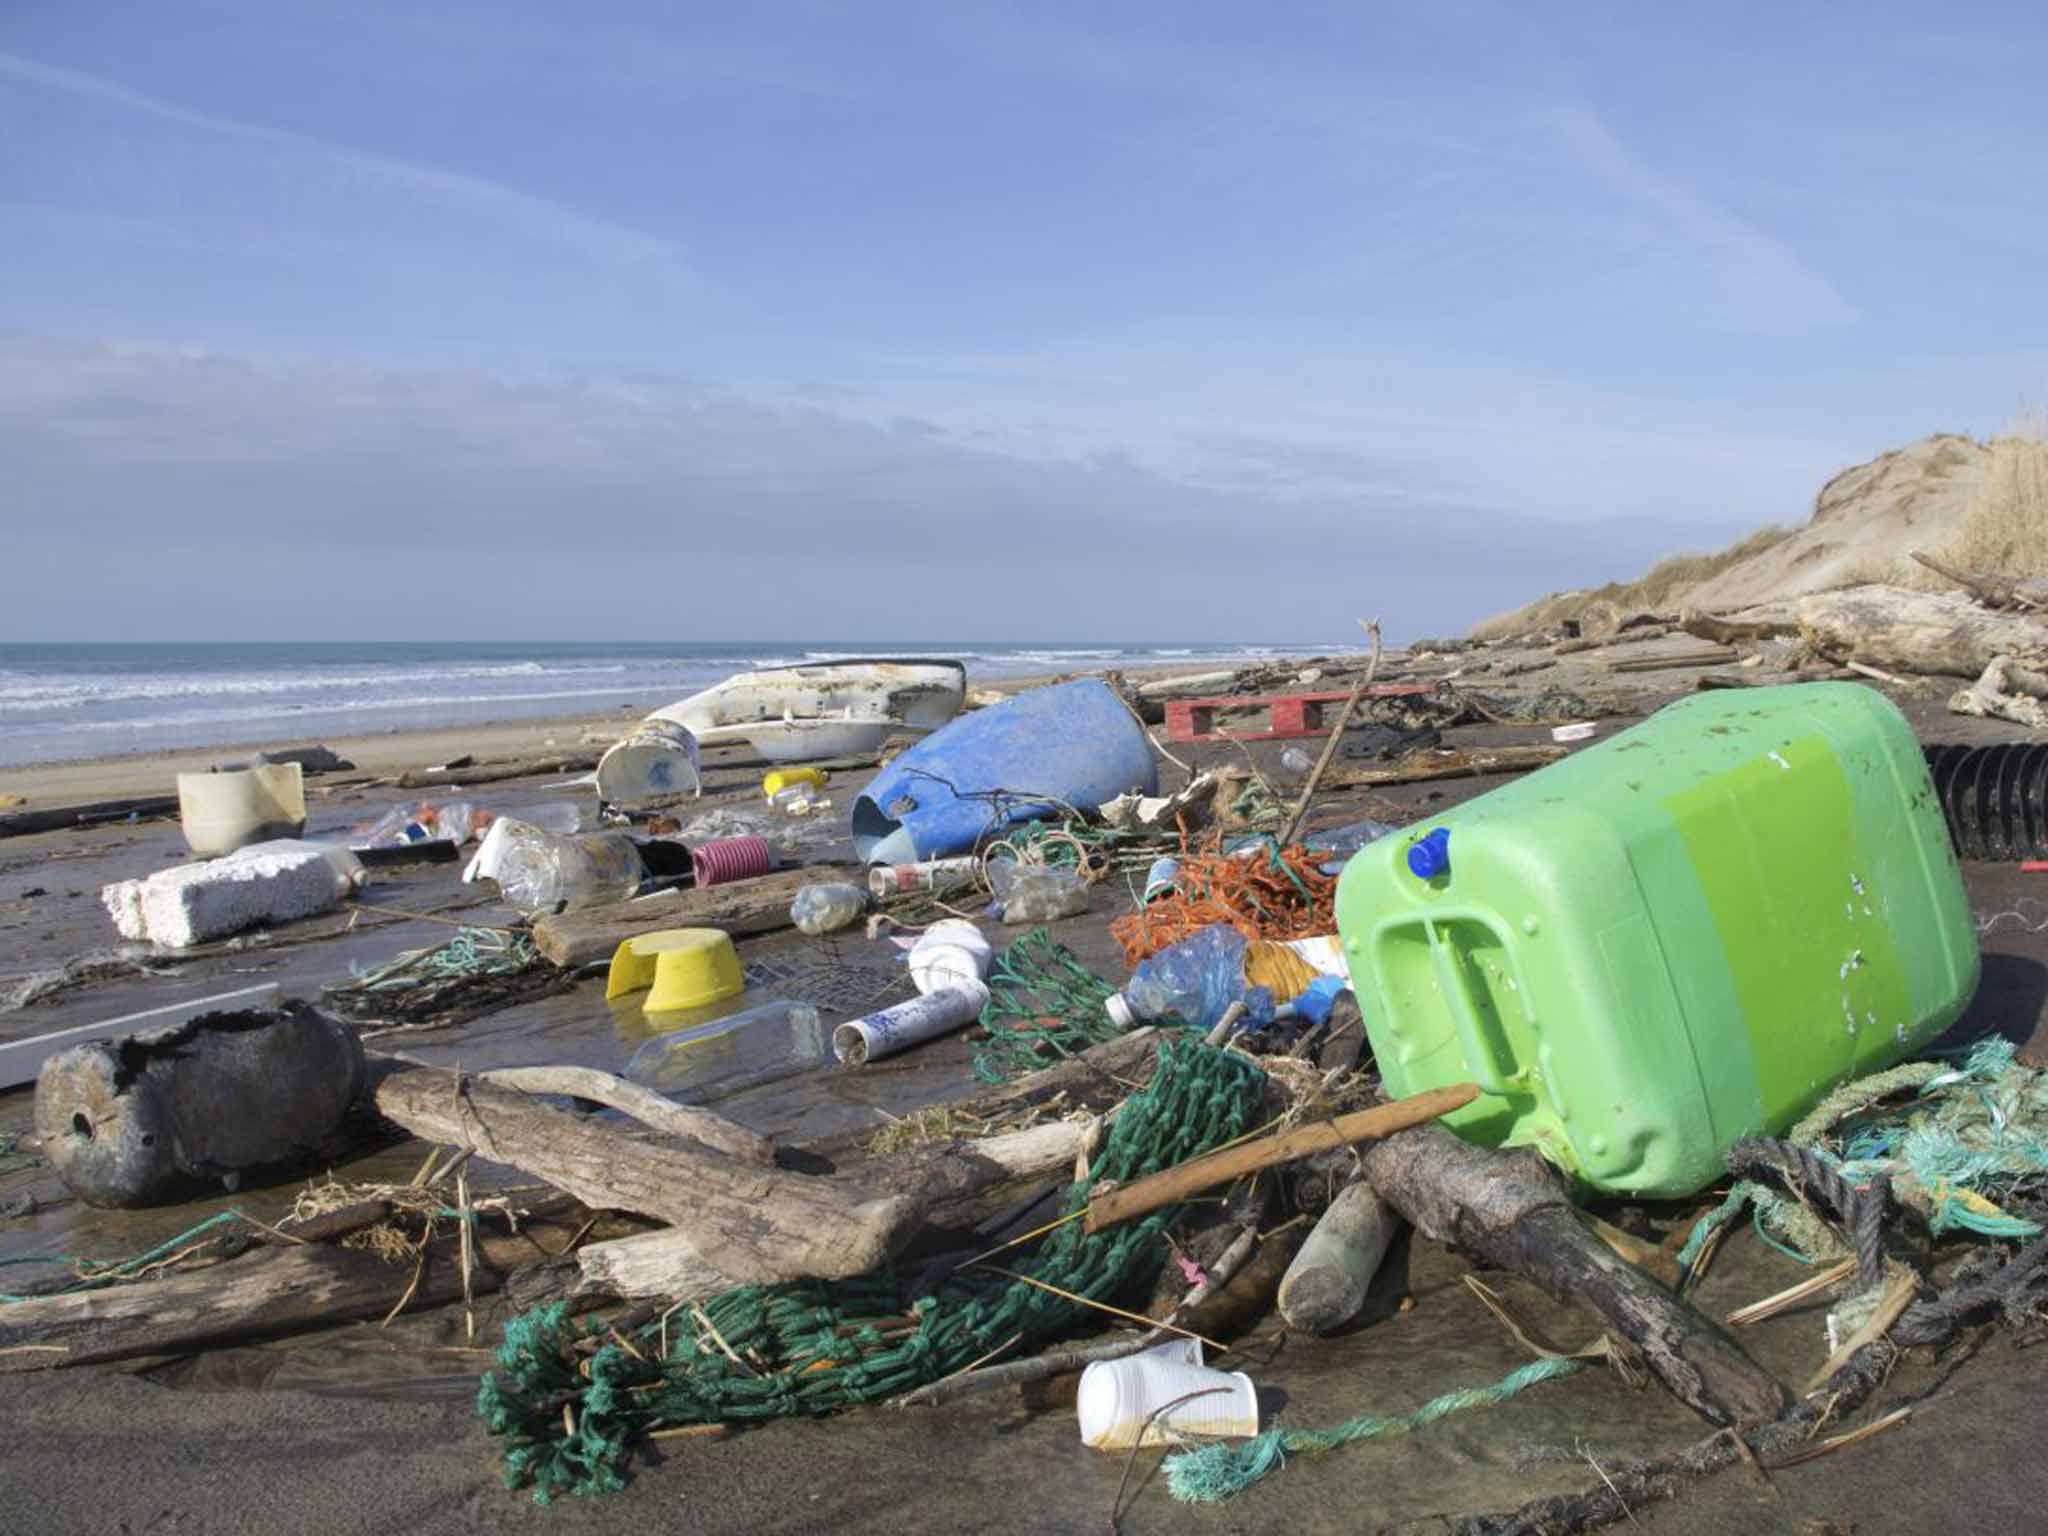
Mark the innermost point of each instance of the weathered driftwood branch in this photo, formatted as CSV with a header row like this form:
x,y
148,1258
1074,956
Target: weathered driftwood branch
x,y
642,1104
1934,634
1191,1178
1990,587
1513,1212
750,1222
760,905
1707,626
1446,763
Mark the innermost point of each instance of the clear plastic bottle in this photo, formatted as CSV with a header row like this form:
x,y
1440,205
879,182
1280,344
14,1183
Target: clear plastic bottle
x,y
1036,893
1195,981
1339,843
827,907
732,1054
540,871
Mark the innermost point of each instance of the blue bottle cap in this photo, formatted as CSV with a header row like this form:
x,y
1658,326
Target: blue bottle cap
x,y
1430,856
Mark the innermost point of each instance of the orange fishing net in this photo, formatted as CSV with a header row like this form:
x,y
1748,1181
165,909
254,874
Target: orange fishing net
x,y
1268,893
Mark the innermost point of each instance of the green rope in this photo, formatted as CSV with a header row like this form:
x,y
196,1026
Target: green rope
x,y
1044,1006
1974,1132
95,1274
1213,1473
568,1418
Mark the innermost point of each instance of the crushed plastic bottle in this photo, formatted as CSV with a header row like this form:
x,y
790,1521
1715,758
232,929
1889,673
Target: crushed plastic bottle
x,y
1195,981
1340,843
539,871
730,1055
827,907
1036,893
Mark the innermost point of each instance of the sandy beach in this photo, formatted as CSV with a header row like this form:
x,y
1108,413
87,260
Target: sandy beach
x,y
362,1427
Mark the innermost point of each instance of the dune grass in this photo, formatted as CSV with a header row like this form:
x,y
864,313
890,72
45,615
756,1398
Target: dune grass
x,y
1655,591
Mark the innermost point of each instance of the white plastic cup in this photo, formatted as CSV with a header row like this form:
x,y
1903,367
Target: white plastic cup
x,y
950,953
1119,1399
909,1023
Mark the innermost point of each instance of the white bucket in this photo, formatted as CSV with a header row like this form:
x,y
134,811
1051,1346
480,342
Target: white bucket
x,y
910,1023
1119,1399
221,812
656,760
950,953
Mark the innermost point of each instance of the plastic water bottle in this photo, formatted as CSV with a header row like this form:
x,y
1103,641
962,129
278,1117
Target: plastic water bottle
x,y
539,871
732,1054
827,907
1195,980
1036,893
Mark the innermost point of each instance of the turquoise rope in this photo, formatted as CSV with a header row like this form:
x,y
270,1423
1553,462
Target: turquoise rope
x,y
105,1275
1213,1473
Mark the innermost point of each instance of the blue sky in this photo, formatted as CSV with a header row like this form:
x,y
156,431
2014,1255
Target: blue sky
x,y
1080,321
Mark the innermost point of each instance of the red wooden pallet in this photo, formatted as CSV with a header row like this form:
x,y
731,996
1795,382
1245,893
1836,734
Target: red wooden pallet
x,y
1288,714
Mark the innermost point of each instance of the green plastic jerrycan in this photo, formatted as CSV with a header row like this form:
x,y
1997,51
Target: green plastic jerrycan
x,y
1685,935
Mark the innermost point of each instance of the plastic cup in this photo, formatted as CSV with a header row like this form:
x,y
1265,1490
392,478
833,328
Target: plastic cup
x,y
1120,1401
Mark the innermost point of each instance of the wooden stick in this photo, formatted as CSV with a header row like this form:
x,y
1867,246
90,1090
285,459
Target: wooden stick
x,y
1448,763
1191,1178
1791,1296
1712,658
642,1104
1315,778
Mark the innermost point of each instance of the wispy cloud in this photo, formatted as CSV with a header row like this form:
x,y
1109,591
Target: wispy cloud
x,y
1759,275
537,218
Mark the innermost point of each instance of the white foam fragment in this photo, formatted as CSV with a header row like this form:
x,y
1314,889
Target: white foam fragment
x,y
263,883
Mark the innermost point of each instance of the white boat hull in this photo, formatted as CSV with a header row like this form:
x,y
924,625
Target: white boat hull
x,y
831,709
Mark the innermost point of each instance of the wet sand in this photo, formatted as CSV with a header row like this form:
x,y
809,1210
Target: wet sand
x,y
371,1429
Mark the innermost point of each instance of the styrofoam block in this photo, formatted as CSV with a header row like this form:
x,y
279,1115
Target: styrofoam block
x,y
264,883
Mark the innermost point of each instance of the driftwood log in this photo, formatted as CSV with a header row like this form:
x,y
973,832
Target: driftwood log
x,y
267,1293
760,905
2006,691
1933,634
21,823
757,1223
950,1183
1512,1211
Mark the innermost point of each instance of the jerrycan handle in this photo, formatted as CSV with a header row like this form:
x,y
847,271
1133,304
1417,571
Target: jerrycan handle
x,y
1488,1060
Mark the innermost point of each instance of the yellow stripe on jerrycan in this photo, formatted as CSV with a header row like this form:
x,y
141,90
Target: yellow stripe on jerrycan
x,y
1685,935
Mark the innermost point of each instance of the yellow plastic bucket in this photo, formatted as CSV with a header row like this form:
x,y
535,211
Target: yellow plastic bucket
x,y
682,967
782,778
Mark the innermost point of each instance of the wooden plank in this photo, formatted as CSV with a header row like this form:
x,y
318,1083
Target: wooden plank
x,y
21,1060
1720,655
1446,763
1191,1178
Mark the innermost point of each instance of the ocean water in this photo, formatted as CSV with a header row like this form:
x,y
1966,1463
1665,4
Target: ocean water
x,y
67,701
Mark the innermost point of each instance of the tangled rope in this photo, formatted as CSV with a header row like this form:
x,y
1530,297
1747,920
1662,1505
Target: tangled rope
x,y
568,1416
477,970
1268,892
